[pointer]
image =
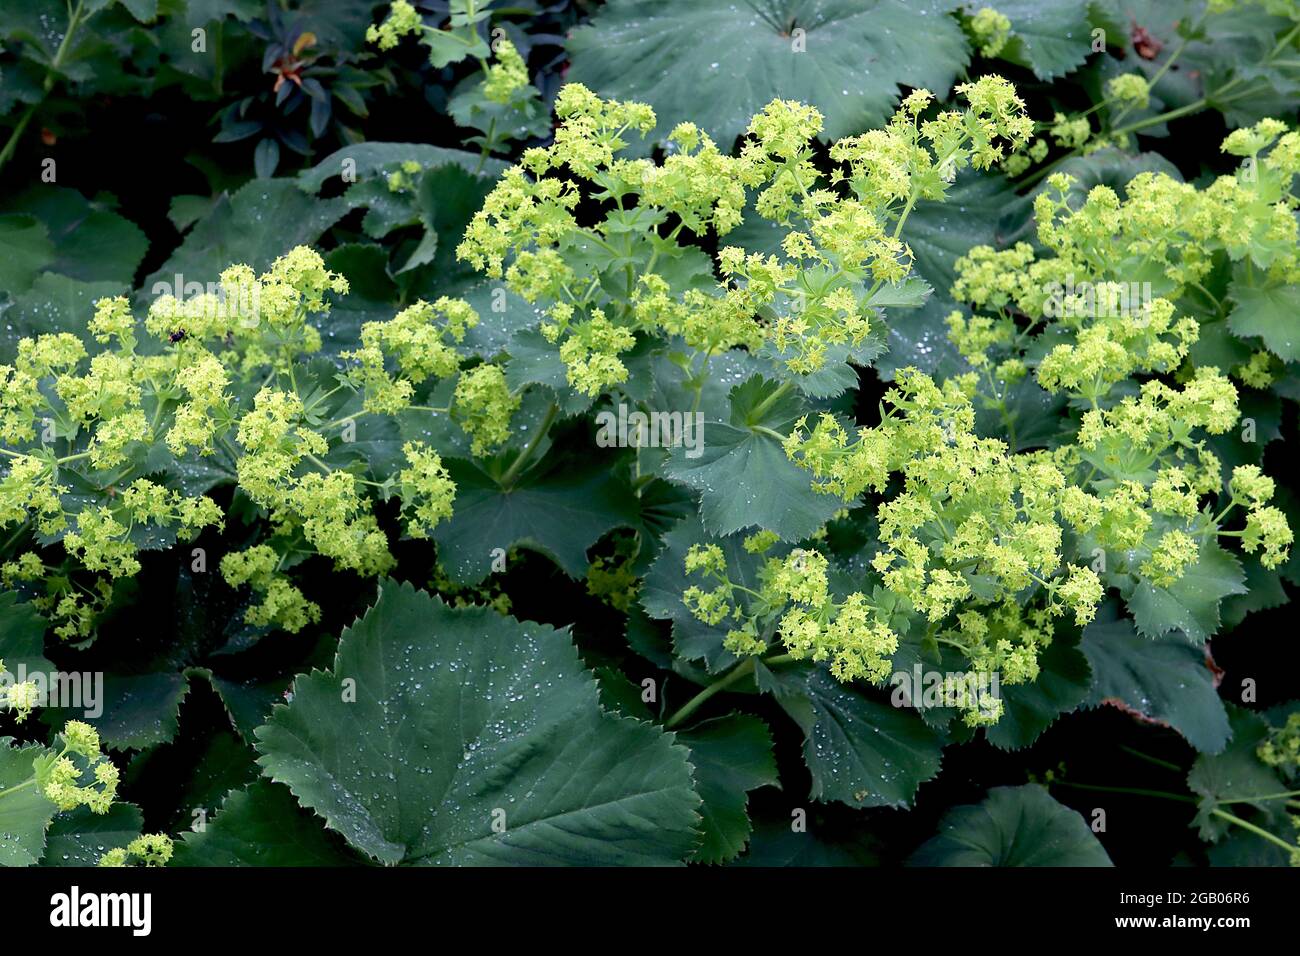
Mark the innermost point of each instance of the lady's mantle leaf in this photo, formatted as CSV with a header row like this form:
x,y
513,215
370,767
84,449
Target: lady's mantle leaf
x,y
24,811
858,750
262,220
25,249
1014,826
777,843
81,837
743,475
137,710
54,303
475,739
1051,37
559,510
1190,604
1162,679
260,825
731,755
1236,775
360,161
1030,708
91,242
22,637
717,63
1269,312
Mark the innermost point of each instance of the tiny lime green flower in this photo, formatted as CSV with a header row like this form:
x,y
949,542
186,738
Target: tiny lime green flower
x,y
507,75
484,403
402,20
706,558
1281,748
21,698
1267,531
113,320
1131,89
1173,554
426,488
150,849
760,541
991,30
1256,371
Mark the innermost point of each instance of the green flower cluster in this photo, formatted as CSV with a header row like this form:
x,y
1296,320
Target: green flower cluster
x,y
987,546
78,774
603,279
990,29
21,698
498,100
100,436
794,602
148,849
992,544
1281,748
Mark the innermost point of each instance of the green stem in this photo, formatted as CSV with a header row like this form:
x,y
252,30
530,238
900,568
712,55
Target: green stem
x,y
22,527
1258,831
230,450
74,20
1132,790
318,463
487,145
907,211
741,670
1220,813
1166,117
7,153
737,673
345,419
507,480
1155,761
1268,796
762,407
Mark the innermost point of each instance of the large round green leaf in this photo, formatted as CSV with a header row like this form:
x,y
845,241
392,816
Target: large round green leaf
x,y
859,751
1051,37
1268,311
456,736
1161,679
22,637
261,826
362,160
1190,604
25,249
1014,826
87,240
81,837
718,62
25,813
559,509
731,755
743,474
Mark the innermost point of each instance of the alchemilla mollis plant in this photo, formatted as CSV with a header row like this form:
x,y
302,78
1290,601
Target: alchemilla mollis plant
x,y
608,448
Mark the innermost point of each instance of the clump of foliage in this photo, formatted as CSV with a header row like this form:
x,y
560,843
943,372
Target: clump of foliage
x,y
660,478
